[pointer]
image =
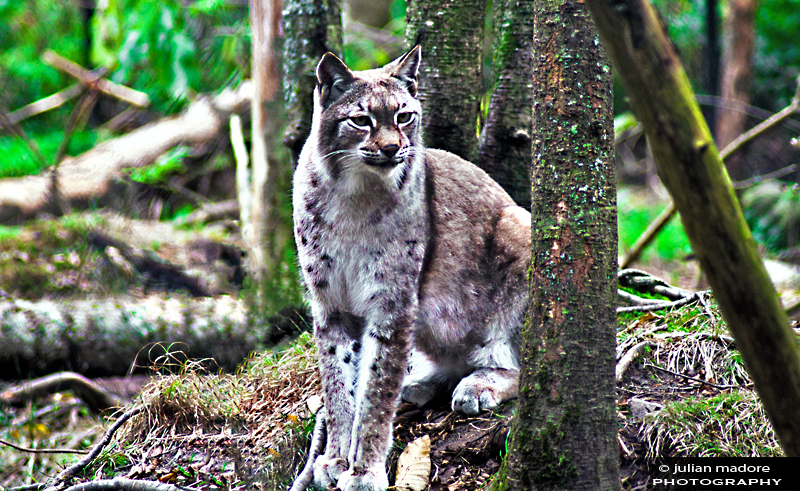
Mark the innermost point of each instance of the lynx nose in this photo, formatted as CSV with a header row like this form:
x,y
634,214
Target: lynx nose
x,y
390,150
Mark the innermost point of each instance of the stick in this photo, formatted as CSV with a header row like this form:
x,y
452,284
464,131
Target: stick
x,y
42,450
78,466
132,97
628,358
95,398
45,104
695,379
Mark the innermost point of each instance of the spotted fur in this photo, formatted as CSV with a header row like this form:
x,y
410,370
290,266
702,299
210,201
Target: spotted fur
x,y
415,263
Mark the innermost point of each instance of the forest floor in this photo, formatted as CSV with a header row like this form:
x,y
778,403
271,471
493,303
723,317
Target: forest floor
x,y
687,394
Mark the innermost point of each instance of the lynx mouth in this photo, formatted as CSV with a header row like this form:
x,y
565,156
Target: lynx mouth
x,y
383,163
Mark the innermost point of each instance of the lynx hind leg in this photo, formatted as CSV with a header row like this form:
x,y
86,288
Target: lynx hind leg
x,y
496,377
485,389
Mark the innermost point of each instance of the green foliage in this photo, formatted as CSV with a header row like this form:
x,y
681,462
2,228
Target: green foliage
x,y
777,58
170,51
19,160
772,210
361,53
635,214
731,424
165,165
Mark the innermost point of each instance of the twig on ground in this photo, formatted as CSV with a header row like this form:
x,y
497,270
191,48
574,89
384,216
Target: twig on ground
x,y
81,464
122,484
42,450
695,379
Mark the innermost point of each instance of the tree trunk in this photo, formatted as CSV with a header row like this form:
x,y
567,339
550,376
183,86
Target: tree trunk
x,y
264,21
450,75
737,73
310,27
504,149
564,434
690,167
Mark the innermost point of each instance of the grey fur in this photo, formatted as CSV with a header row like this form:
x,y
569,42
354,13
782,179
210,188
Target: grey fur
x,y
415,263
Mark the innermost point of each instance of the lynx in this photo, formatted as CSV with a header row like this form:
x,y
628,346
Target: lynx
x,y
415,263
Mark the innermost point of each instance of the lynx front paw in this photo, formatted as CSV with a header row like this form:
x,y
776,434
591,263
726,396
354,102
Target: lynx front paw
x,y
370,480
328,470
484,389
471,398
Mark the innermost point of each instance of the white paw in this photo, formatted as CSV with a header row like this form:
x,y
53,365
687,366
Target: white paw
x,y
471,397
371,480
328,470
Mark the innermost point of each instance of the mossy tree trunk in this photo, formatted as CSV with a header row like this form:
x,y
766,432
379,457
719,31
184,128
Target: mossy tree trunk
x,y
564,433
310,28
450,75
504,148
690,167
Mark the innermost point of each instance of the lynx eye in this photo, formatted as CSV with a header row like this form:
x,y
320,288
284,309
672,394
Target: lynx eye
x,y
403,118
361,120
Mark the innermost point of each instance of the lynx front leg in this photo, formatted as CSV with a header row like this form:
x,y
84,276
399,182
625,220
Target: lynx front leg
x,y
381,370
338,380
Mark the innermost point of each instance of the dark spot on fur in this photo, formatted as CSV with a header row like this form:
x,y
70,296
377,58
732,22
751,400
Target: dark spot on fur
x,y
303,240
332,350
347,358
324,257
321,284
356,347
310,269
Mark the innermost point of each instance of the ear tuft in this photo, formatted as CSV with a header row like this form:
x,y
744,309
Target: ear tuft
x,y
333,78
406,68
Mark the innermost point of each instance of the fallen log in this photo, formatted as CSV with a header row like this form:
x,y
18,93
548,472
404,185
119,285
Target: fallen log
x,y
115,336
95,178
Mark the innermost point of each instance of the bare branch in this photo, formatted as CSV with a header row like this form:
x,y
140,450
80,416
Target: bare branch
x,y
133,97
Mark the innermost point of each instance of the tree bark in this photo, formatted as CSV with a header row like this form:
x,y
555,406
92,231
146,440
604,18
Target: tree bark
x,y
737,73
310,27
450,75
690,167
564,433
504,148
95,177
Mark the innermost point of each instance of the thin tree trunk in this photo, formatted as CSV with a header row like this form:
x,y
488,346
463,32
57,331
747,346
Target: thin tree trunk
x,y
310,27
737,73
690,167
450,75
504,148
564,433
264,21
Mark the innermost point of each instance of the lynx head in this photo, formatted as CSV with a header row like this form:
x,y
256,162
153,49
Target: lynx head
x,y
368,121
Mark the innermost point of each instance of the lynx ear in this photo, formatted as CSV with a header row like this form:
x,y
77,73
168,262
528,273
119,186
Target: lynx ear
x,y
406,68
333,79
